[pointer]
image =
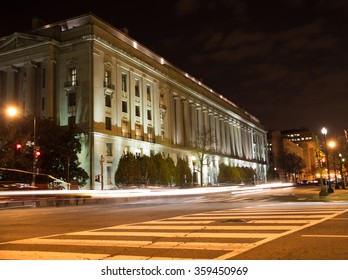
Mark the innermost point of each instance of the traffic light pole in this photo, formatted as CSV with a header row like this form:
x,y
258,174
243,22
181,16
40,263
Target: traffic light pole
x,y
33,182
101,171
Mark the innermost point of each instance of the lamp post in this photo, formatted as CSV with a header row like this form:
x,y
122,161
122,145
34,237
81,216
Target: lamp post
x,y
332,145
318,155
324,132
341,171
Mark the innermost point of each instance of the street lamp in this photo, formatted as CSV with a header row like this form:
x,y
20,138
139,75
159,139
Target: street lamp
x,y
342,160
324,132
332,145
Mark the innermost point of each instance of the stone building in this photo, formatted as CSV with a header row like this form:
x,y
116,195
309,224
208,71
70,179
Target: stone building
x,y
84,72
300,142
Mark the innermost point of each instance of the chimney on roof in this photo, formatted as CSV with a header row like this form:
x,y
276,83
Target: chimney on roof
x,y
37,23
125,30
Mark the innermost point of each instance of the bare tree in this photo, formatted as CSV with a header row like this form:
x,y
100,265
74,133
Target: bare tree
x,y
203,147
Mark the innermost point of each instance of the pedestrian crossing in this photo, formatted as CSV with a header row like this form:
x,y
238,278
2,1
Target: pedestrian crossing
x,y
219,235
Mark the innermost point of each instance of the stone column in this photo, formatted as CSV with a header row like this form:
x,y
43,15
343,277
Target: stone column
x,y
187,123
193,123
11,89
32,96
218,133
178,120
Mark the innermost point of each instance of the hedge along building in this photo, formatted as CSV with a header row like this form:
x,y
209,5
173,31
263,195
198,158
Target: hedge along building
x,y
84,72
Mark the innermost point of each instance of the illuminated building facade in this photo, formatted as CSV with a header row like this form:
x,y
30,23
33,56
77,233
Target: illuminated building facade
x,y
84,72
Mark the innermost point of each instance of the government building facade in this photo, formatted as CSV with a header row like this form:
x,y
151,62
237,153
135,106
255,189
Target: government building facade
x,y
84,72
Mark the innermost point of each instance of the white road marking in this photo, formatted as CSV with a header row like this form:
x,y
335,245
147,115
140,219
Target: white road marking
x,y
225,226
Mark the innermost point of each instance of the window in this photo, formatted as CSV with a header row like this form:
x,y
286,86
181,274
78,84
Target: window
x,y
150,134
125,132
137,110
108,123
124,82
107,100
149,115
72,99
109,149
124,107
148,92
137,88
73,76
138,133
107,78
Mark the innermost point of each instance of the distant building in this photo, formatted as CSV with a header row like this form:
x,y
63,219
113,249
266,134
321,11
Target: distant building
x,y
84,72
300,142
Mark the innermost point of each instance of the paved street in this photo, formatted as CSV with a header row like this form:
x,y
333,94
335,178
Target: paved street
x,y
271,225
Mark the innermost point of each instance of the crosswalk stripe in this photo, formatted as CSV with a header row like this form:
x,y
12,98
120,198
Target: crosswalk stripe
x,y
251,217
173,234
136,244
43,255
230,226
179,222
133,257
82,242
199,245
292,221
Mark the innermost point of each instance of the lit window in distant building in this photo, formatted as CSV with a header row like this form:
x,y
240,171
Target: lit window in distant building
x,y
73,76
107,78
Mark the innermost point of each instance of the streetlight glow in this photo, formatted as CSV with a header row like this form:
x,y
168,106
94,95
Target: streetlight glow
x,y
332,144
12,111
324,131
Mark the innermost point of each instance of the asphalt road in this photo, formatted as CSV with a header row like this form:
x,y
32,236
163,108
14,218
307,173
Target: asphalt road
x,y
274,225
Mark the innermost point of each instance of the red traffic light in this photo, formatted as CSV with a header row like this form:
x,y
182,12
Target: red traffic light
x,y
37,153
18,146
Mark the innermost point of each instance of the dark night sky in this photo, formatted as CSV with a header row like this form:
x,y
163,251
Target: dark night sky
x,y
284,61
